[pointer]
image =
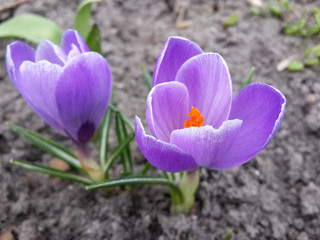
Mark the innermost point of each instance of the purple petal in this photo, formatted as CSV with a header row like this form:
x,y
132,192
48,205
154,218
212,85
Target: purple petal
x,y
206,144
174,53
167,109
82,94
73,52
37,83
210,88
51,52
163,155
261,108
73,37
17,52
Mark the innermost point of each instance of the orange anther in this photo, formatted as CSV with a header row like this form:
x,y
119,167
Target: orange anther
x,y
196,119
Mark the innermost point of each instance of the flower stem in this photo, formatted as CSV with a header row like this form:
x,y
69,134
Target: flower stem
x,y
188,186
89,165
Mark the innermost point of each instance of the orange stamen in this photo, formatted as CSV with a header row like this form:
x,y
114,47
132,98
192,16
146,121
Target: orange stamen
x,y
196,119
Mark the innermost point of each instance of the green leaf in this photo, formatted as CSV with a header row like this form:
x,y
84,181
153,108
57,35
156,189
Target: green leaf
x,y
117,152
228,236
316,12
311,62
94,40
274,10
51,171
295,66
103,148
147,77
31,27
124,118
316,50
295,29
122,134
138,179
48,146
146,168
232,20
286,5
83,15
256,11
311,31
248,79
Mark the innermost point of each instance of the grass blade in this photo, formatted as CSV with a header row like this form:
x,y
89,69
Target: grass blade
x,y
248,79
103,148
147,77
124,118
117,152
122,134
48,146
51,171
138,179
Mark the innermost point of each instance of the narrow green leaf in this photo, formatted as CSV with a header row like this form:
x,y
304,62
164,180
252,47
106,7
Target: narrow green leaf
x,y
83,15
311,62
308,52
103,148
311,31
228,236
295,29
48,146
31,27
126,153
286,5
256,11
117,152
295,66
138,179
124,118
274,10
147,77
94,40
316,50
248,79
146,168
51,171
316,15
232,20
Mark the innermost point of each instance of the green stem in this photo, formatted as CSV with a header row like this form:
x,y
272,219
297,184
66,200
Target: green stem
x,y
188,187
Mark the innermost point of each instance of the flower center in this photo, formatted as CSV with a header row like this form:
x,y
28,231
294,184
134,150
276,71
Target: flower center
x,y
196,119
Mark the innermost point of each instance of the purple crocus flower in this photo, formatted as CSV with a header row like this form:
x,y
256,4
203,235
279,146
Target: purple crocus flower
x,y
69,87
193,117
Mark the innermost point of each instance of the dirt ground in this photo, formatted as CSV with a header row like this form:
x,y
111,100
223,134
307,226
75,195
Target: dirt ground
x,y
274,196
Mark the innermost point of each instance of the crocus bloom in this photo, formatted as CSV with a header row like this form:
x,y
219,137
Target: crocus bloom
x,y
193,117
69,87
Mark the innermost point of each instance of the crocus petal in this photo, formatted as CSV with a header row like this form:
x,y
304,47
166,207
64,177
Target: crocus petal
x,y
174,53
206,144
167,109
163,155
73,52
17,52
209,84
51,52
261,108
73,37
82,94
37,83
